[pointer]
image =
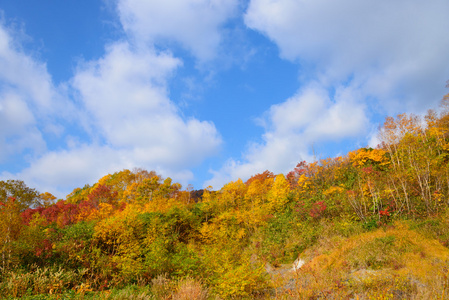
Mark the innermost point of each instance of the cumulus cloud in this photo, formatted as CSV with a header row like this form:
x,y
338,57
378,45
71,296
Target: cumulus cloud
x,y
121,101
292,127
26,94
355,56
393,50
61,171
18,129
195,24
20,72
125,93
131,120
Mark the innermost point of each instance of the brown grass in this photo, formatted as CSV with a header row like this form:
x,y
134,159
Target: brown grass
x,y
393,263
190,289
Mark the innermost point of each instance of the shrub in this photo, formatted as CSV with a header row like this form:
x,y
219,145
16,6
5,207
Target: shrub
x,y
190,289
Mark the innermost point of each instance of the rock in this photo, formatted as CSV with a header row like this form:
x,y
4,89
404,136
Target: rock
x,y
298,264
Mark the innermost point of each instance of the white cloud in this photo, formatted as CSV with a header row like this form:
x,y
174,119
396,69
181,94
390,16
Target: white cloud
x,y
132,121
126,96
26,94
382,56
195,24
343,117
122,103
18,129
298,111
16,115
292,127
22,72
61,171
395,51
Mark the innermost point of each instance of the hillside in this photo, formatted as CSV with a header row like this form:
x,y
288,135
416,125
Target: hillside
x,y
373,224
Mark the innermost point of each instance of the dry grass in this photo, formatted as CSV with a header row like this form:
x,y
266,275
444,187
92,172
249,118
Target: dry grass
x,y
161,287
393,263
40,281
190,289
184,289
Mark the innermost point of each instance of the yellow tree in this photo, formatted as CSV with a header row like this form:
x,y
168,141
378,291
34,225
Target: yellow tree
x,y
231,196
46,199
279,192
122,181
79,195
369,164
392,135
258,187
10,227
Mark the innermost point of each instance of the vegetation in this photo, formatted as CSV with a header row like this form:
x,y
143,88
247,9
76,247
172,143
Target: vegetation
x,y
373,224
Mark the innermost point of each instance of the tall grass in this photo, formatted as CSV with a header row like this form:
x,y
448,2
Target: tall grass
x,y
388,263
51,280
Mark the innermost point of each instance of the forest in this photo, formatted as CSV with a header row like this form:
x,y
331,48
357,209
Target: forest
x,y
372,224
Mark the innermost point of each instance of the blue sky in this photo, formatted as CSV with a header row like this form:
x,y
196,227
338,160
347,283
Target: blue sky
x,y
206,91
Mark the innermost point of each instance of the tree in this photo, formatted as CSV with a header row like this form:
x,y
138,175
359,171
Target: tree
x,y
25,197
10,226
46,199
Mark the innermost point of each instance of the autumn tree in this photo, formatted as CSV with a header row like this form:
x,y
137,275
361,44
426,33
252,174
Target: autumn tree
x,y
294,175
10,227
391,135
23,195
46,199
